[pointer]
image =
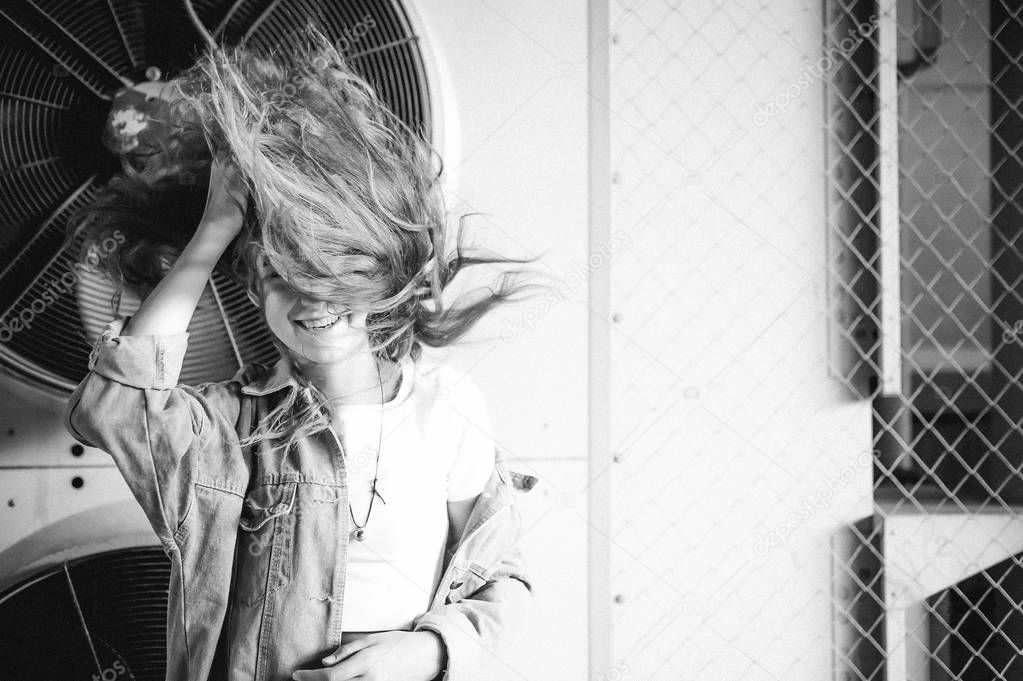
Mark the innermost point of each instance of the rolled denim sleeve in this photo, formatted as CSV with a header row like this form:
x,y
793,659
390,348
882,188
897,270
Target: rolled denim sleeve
x,y
138,361
129,405
477,625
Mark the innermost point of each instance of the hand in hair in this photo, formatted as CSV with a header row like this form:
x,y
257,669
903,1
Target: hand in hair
x,y
226,200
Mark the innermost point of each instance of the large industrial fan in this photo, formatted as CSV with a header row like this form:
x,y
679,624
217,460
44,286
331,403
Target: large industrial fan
x,y
61,64
65,65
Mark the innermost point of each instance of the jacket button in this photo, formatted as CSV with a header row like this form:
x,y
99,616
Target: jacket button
x,y
455,585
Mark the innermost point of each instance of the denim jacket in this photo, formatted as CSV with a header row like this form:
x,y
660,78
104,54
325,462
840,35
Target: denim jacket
x,y
258,540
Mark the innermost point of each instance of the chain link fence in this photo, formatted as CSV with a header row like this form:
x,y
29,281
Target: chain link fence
x,y
925,134
817,358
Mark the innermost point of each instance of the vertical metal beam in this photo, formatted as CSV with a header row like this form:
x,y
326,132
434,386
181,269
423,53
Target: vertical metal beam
x,y
599,365
888,197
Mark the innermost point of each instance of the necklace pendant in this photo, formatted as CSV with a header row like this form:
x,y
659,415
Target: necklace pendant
x,y
359,533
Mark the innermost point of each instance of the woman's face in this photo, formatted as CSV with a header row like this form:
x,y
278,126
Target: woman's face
x,y
307,326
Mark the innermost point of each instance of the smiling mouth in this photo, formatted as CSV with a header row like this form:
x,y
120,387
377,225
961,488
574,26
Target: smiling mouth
x,y
318,324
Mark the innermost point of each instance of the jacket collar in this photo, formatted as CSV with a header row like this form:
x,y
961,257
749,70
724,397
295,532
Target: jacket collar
x,y
267,380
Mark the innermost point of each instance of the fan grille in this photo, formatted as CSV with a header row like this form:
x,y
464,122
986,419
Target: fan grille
x,y
106,612
60,64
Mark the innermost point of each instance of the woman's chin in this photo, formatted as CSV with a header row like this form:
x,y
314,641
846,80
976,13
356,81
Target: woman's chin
x,y
306,350
323,357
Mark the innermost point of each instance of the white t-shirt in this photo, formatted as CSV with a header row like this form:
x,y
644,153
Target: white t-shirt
x,y
437,446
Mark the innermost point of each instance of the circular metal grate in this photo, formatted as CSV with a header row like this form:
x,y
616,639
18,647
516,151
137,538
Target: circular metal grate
x,y
60,64
104,615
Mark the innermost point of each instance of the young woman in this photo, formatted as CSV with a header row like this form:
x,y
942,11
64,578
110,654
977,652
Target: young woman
x,y
342,513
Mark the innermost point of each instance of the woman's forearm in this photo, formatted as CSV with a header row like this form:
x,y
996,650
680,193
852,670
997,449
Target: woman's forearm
x,y
170,306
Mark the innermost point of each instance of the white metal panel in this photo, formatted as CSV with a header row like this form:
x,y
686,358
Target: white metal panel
x,y
739,459
517,76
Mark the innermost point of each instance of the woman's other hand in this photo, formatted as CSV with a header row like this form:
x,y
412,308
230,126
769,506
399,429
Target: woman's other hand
x,y
383,656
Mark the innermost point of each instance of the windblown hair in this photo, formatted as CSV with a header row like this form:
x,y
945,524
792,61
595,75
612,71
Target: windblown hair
x,y
344,203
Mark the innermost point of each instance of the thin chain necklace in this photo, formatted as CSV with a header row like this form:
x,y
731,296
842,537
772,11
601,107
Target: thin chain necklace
x,y
359,532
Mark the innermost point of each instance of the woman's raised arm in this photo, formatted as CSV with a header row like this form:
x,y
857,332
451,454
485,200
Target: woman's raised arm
x,y
170,306
130,404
